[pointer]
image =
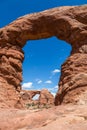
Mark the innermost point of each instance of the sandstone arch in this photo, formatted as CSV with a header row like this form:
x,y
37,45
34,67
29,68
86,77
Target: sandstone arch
x,y
66,23
43,97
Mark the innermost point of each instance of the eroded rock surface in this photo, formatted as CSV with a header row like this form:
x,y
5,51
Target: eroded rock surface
x,y
66,23
68,117
46,97
73,80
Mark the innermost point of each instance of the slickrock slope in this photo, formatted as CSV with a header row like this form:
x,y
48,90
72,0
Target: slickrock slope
x,y
66,23
63,117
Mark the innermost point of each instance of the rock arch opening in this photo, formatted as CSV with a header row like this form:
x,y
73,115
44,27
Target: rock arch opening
x,y
42,63
36,97
66,23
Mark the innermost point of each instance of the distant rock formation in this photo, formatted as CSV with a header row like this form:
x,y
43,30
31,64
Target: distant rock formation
x,y
44,98
68,23
29,94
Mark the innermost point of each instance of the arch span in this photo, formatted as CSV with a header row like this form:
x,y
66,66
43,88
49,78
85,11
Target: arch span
x,y
66,23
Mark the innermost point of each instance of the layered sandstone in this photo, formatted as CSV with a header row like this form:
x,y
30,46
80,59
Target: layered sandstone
x,y
66,23
73,82
11,58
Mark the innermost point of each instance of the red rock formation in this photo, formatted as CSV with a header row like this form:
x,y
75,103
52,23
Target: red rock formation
x,y
11,58
45,97
66,23
29,94
73,81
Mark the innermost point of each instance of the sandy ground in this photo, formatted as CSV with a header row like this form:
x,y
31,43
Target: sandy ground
x,y
64,117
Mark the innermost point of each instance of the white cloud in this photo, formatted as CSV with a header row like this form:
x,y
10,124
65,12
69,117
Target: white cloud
x,y
48,82
56,87
27,85
54,94
50,89
39,81
55,71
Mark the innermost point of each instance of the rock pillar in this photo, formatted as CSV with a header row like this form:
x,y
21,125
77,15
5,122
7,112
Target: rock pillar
x,y
11,57
73,81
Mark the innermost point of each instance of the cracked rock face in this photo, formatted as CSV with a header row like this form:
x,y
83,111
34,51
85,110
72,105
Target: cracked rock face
x,y
66,23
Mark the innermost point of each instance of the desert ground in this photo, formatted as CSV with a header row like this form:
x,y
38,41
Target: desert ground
x,y
68,117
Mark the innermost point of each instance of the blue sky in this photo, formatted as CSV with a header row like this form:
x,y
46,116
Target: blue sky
x,y
43,58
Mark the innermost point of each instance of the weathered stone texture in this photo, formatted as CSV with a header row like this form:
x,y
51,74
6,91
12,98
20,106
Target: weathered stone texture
x,y
66,23
46,97
73,81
